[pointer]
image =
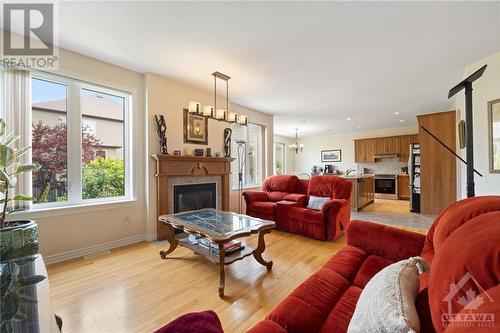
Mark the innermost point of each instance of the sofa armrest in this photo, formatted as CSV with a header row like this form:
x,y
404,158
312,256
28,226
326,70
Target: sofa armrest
x,y
266,326
252,196
335,204
388,242
300,198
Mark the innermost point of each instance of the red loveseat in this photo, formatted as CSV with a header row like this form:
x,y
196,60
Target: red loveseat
x,y
462,248
284,199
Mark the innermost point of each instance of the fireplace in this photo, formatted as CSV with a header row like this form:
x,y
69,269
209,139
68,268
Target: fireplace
x,y
194,196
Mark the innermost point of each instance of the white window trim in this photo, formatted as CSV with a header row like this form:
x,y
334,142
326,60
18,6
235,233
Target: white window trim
x,y
74,173
263,171
284,156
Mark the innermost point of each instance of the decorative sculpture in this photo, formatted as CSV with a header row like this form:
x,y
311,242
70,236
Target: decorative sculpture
x,y
161,130
227,142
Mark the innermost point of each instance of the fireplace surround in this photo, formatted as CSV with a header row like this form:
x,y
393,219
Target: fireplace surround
x,y
174,170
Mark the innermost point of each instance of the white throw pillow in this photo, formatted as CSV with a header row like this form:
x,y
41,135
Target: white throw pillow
x,y
387,303
317,203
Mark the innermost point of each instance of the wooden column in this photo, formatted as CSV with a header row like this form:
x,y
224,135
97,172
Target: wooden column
x,y
168,166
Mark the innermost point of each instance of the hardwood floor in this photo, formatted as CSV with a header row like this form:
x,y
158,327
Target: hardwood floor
x,y
134,290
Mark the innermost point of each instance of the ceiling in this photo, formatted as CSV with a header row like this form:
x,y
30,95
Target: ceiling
x,y
312,65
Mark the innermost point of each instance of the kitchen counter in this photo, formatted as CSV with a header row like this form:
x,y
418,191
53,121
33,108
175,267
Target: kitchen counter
x,y
363,190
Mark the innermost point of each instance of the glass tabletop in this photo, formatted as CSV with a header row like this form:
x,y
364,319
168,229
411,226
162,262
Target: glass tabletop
x,y
217,222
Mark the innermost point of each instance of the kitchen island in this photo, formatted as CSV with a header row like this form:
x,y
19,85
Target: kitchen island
x,y
363,191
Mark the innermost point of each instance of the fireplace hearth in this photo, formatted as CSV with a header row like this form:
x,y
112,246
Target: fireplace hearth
x,y
194,196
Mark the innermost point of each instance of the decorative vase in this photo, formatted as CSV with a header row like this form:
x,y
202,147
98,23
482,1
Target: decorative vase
x,y
19,239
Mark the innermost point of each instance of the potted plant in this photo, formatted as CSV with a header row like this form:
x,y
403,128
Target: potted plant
x,y
17,238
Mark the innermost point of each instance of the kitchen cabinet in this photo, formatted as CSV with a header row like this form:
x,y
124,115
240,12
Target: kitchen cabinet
x,y
404,146
363,191
364,151
388,145
403,187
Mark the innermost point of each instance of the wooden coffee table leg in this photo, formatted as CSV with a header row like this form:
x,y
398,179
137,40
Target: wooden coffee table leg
x,y
222,272
257,253
171,240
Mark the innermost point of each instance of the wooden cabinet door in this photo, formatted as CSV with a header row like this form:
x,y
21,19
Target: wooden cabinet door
x,y
403,189
391,145
414,138
363,151
379,144
404,148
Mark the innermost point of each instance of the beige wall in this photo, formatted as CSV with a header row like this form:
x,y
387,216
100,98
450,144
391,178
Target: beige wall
x,y
71,229
289,155
344,141
486,88
168,97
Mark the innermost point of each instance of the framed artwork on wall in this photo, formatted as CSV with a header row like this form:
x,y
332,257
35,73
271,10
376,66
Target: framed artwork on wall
x,y
195,128
333,155
494,135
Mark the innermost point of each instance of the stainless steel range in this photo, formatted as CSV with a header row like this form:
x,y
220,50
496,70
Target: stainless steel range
x,y
385,186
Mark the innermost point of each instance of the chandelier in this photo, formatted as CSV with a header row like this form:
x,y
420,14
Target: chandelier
x,y
296,147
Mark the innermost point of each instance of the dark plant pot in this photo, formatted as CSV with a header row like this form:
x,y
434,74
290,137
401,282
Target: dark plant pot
x,y
18,239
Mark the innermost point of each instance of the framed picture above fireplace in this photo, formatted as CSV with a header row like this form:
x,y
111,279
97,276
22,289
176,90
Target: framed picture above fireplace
x,y
195,128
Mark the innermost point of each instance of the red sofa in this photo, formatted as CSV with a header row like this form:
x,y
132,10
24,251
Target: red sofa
x,y
284,199
465,238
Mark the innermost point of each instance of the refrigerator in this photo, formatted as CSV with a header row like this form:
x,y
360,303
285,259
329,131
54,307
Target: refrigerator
x,y
414,172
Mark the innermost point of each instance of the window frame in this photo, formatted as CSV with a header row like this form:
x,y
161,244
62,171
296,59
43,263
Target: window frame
x,y
261,150
283,145
74,122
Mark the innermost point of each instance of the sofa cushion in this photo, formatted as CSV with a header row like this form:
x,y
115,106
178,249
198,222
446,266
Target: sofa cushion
x,y
453,217
276,195
317,203
302,186
264,207
338,320
371,266
468,260
308,306
387,303
330,186
306,215
280,183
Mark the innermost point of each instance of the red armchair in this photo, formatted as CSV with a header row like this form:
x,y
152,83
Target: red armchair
x,y
262,204
284,198
331,221
325,302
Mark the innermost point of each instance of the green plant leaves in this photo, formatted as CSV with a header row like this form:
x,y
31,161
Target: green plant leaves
x,y
26,168
2,127
22,197
4,176
7,156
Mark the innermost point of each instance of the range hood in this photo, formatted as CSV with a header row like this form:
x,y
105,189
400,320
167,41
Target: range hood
x,y
386,155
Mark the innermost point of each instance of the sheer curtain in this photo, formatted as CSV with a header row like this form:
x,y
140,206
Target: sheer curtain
x,y
17,114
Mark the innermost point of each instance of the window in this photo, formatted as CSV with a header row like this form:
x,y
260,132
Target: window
x,y
251,138
279,158
80,139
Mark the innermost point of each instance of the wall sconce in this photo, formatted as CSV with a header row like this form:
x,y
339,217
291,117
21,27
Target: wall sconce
x,y
208,111
231,117
242,119
194,107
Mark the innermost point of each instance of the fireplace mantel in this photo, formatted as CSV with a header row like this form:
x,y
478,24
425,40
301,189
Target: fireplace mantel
x,y
170,166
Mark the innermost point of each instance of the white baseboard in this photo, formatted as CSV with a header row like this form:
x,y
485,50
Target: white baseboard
x,y
96,248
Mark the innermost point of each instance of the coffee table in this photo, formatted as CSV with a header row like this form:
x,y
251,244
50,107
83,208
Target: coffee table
x,y
219,227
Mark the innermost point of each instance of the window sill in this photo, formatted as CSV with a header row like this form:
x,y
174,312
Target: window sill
x,y
248,187
73,209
